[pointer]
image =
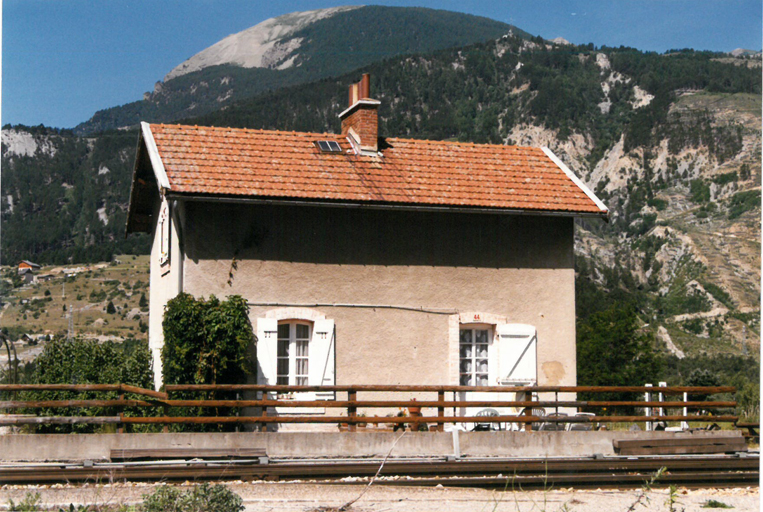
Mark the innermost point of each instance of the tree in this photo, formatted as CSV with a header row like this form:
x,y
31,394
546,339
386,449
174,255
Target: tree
x,y
611,352
702,377
110,309
143,303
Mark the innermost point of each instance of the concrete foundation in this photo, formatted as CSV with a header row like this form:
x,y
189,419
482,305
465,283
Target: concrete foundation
x,y
78,447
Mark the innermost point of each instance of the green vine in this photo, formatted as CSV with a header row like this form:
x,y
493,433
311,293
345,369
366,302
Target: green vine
x,y
206,342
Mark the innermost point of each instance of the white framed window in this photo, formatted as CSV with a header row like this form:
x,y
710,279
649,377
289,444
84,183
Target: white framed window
x,y
293,353
295,346
474,362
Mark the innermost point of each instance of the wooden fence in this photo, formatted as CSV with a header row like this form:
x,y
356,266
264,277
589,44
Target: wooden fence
x,y
432,406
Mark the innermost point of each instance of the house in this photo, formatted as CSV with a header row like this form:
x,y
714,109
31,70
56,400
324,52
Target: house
x,y
367,259
26,270
28,265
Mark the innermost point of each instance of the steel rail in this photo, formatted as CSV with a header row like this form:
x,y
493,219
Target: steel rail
x,y
700,471
547,482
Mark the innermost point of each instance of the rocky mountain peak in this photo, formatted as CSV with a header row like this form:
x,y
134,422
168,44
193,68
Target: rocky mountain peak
x,y
265,45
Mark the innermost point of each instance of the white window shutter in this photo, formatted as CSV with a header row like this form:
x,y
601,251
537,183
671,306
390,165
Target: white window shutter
x,y
517,354
322,354
164,232
267,350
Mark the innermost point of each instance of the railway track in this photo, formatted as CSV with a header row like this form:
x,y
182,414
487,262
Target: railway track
x,y
612,472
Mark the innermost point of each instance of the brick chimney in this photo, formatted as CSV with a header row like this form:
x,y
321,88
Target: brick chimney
x,y
360,121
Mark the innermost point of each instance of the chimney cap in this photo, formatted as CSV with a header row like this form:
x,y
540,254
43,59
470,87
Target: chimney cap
x,y
351,108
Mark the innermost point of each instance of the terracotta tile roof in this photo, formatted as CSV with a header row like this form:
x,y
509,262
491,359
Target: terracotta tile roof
x,y
277,164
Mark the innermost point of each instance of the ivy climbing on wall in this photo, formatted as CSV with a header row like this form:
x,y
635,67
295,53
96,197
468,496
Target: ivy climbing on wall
x,y
206,342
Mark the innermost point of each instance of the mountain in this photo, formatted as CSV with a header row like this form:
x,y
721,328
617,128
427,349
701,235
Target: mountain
x,y
672,143
293,49
741,52
269,44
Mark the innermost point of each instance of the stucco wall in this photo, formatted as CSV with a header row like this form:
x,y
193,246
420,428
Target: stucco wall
x,y
516,267
165,281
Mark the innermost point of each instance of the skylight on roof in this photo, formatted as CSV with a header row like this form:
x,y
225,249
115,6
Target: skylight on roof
x,y
328,146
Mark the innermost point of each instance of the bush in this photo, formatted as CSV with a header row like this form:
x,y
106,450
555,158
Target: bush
x,y
694,326
748,402
726,178
700,191
97,296
87,362
201,498
744,172
743,202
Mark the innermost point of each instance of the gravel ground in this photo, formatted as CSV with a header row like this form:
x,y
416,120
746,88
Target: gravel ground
x,y
305,497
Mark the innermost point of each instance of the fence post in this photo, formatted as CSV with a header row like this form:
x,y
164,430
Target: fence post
x,y
120,426
352,410
648,410
262,395
684,423
528,426
441,411
166,409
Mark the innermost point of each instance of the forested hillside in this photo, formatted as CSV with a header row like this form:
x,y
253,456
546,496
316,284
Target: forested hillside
x,y
65,197
329,47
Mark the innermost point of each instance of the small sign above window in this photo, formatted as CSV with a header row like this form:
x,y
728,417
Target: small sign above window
x,y
328,146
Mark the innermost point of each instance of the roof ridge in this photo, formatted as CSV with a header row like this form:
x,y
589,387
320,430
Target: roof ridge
x,y
339,135
459,143
245,130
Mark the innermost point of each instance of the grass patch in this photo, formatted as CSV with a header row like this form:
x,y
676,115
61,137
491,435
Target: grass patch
x,y
715,504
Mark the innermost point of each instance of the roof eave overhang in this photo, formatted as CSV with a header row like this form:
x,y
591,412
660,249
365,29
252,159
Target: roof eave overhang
x,y
153,153
603,210
377,205
137,220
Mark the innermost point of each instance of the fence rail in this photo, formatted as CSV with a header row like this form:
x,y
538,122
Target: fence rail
x,y
528,407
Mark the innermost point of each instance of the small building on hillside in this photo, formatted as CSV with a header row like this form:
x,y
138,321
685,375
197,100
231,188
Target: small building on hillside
x,y
27,269
368,259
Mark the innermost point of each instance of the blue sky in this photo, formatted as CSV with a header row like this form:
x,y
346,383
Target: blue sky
x,y
64,59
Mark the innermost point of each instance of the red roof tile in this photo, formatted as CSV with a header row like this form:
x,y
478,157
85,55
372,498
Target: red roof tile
x,y
288,165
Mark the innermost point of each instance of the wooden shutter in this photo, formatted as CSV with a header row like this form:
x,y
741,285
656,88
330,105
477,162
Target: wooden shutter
x,y
322,357
267,350
164,233
517,354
